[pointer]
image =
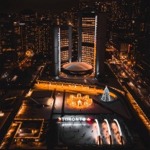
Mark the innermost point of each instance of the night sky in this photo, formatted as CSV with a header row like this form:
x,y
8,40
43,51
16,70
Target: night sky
x,y
17,5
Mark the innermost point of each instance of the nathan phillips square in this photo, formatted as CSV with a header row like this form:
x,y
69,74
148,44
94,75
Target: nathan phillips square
x,y
74,74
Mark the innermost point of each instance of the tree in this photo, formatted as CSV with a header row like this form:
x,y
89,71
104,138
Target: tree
x,y
106,96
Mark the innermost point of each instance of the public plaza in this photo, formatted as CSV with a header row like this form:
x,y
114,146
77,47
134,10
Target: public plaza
x,y
76,118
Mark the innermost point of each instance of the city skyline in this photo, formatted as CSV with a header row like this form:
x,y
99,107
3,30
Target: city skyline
x,y
74,76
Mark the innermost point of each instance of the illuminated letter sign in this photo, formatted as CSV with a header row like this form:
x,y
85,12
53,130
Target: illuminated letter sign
x,y
73,119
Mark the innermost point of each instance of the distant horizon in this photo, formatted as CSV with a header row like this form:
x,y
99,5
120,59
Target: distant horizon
x,y
18,5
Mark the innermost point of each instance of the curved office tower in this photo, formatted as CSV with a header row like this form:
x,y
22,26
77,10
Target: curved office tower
x,y
62,51
92,39
65,44
91,43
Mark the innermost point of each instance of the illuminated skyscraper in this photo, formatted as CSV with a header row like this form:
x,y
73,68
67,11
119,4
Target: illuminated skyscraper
x,y
43,37
62,47
65,44
6,36
91,43
87,38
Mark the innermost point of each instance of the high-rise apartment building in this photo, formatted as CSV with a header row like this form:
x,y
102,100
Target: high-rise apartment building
x,y
43,37
6,35
7,40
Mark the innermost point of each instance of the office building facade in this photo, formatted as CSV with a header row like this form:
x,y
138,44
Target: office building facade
x,y
62,50
92,39
87,38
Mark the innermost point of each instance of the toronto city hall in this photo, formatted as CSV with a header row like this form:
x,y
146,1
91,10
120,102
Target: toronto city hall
x,y
75,74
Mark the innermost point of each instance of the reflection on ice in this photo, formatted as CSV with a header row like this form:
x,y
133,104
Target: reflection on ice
x,y
89,131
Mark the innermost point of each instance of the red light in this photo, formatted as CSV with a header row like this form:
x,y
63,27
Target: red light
x,y
88,119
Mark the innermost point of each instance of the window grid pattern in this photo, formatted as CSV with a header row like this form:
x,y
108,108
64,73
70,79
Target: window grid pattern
x,y
64,43
88,32
87,54
64,56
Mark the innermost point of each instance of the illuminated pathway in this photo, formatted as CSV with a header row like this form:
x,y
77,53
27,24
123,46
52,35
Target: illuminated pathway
x,y
69,87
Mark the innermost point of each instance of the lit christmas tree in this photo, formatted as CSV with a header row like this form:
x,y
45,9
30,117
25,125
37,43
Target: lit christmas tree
x,y
106,96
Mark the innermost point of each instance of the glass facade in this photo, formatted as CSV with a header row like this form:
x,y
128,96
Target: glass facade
x,y
43,37
88,36
64,44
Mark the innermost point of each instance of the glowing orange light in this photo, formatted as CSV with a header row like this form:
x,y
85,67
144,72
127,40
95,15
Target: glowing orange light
x,y
59,119
79,101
